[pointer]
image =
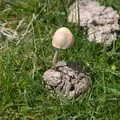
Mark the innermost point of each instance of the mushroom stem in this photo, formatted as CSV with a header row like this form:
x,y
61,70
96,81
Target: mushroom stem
x,y
55,56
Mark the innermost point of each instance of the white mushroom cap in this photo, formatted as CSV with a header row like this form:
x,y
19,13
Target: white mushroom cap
x,y
62,38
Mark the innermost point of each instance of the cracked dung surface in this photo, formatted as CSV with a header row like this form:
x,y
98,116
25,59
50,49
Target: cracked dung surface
x,y
101,21
67,79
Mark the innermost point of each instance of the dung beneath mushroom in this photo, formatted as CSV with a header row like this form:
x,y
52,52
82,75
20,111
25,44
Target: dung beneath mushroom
x,y
65,78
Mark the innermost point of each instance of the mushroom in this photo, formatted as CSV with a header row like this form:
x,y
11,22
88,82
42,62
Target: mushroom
x,y
62,39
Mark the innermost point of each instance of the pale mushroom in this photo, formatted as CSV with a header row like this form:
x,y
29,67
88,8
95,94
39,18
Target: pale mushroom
x,y
62,39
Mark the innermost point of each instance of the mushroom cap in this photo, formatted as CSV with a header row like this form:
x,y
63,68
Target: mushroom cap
x,y
62,38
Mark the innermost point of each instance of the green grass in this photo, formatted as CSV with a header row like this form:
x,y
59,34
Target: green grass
x,y
24,60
